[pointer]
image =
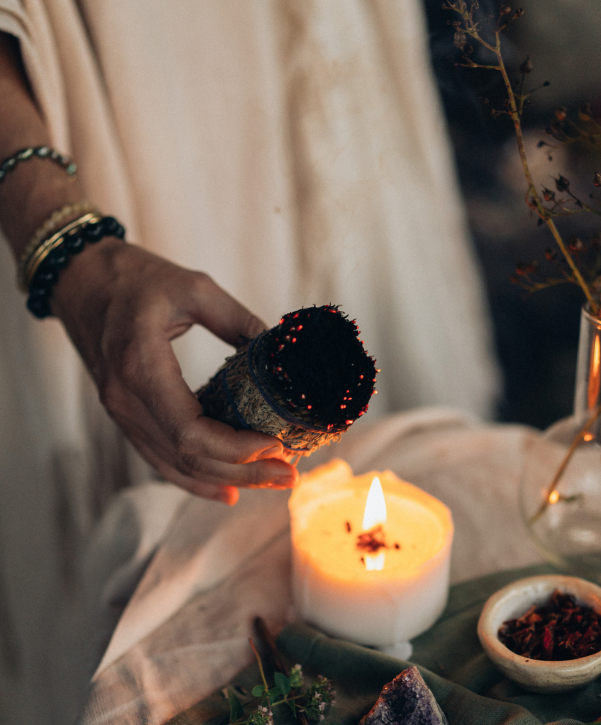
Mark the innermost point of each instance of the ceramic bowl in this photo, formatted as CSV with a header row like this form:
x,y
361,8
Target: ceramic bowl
x,y
513,601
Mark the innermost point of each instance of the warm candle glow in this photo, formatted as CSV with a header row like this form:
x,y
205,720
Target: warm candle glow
x,y
334,556
594,373
554,497
375,508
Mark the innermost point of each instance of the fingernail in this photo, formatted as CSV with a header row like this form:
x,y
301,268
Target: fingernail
x,y
285,482
230,495
272,452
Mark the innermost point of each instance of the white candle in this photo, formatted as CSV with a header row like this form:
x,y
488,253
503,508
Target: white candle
x,y
374,595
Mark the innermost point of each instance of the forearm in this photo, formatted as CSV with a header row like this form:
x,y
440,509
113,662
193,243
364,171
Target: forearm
x,y
122,306
36,187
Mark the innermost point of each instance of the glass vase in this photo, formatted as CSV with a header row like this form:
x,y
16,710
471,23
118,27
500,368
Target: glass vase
x,y
561,479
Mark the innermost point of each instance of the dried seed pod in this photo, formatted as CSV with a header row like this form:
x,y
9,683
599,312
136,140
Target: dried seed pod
x,y
305,381
526,66
561,113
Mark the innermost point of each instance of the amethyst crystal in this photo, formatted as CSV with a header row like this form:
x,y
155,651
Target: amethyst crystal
x,y
406,700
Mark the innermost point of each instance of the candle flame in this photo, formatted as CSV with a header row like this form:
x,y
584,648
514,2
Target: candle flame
x,y
554,497
375,562
375,506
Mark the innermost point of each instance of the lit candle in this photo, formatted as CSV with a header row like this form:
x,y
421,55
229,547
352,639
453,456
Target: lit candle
x,y
374,568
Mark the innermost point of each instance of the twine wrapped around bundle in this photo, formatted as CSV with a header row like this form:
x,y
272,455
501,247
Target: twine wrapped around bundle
x,y
305,381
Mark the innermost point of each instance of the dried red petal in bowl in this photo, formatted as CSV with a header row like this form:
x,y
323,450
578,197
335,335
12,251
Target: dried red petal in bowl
x,y
560,629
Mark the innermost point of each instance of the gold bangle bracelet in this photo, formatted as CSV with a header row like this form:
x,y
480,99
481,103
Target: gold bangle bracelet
x,y
44,249
50,226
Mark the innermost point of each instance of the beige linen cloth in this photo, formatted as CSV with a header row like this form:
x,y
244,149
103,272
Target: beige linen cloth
x,y
185,631
293,149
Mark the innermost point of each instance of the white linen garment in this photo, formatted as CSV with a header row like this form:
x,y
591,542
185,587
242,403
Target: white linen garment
x,y
295,150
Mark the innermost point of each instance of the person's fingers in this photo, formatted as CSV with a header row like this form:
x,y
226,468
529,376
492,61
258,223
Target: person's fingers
x,y
196,446
214,491
219,312
151,372
124,327
218,477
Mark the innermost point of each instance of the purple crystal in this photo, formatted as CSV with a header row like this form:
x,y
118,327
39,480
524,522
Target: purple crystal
x,y
406,700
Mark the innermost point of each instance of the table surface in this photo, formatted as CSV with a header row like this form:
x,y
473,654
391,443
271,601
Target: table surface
x,y
469,688
185,631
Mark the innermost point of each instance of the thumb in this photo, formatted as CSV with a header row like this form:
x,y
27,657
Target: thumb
x,y
213,308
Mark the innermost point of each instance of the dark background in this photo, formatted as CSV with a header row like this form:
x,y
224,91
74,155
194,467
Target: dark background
x,y
536,335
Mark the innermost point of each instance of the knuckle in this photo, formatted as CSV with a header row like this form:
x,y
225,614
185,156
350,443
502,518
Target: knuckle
x,y
202,281
192,464
184,439
254,475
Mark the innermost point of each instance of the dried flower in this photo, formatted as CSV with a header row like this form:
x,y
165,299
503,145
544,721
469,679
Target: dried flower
x,y
459,39
576,265
548,195
526,66
561,113
558,630
562,184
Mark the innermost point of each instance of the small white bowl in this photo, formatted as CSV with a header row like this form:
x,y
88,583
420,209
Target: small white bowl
x,y
514,600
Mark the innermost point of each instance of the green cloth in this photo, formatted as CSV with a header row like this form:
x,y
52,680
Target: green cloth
x,y
470,690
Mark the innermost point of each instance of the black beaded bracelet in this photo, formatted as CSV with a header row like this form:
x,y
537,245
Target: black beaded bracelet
x,y
40,152
46,276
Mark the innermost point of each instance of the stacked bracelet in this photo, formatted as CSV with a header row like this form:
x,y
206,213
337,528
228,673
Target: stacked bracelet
x,y
50,226
39,254
40,152
53,255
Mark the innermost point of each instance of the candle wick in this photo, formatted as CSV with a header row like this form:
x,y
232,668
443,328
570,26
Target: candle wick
x,y
373,540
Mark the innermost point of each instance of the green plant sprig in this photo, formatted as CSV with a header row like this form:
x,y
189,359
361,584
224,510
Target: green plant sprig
x,y
307,702
468,27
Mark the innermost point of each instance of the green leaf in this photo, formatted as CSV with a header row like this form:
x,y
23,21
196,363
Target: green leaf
x,y
291,704
282,682
274,693
258,690
236,710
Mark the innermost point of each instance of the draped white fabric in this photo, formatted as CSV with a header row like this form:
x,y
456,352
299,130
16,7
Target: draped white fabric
x,y
293,150
185,631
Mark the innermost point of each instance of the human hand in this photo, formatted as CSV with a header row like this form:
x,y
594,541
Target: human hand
x,y
122,306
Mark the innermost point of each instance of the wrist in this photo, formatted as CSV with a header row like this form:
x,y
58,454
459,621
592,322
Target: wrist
x,y
88,277
43,268
29,196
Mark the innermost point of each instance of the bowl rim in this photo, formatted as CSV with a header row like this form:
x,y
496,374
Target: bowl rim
x,y
587,593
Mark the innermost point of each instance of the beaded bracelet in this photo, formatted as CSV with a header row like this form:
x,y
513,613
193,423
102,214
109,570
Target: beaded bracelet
x,y
72,241
50,227
40,152
39,254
